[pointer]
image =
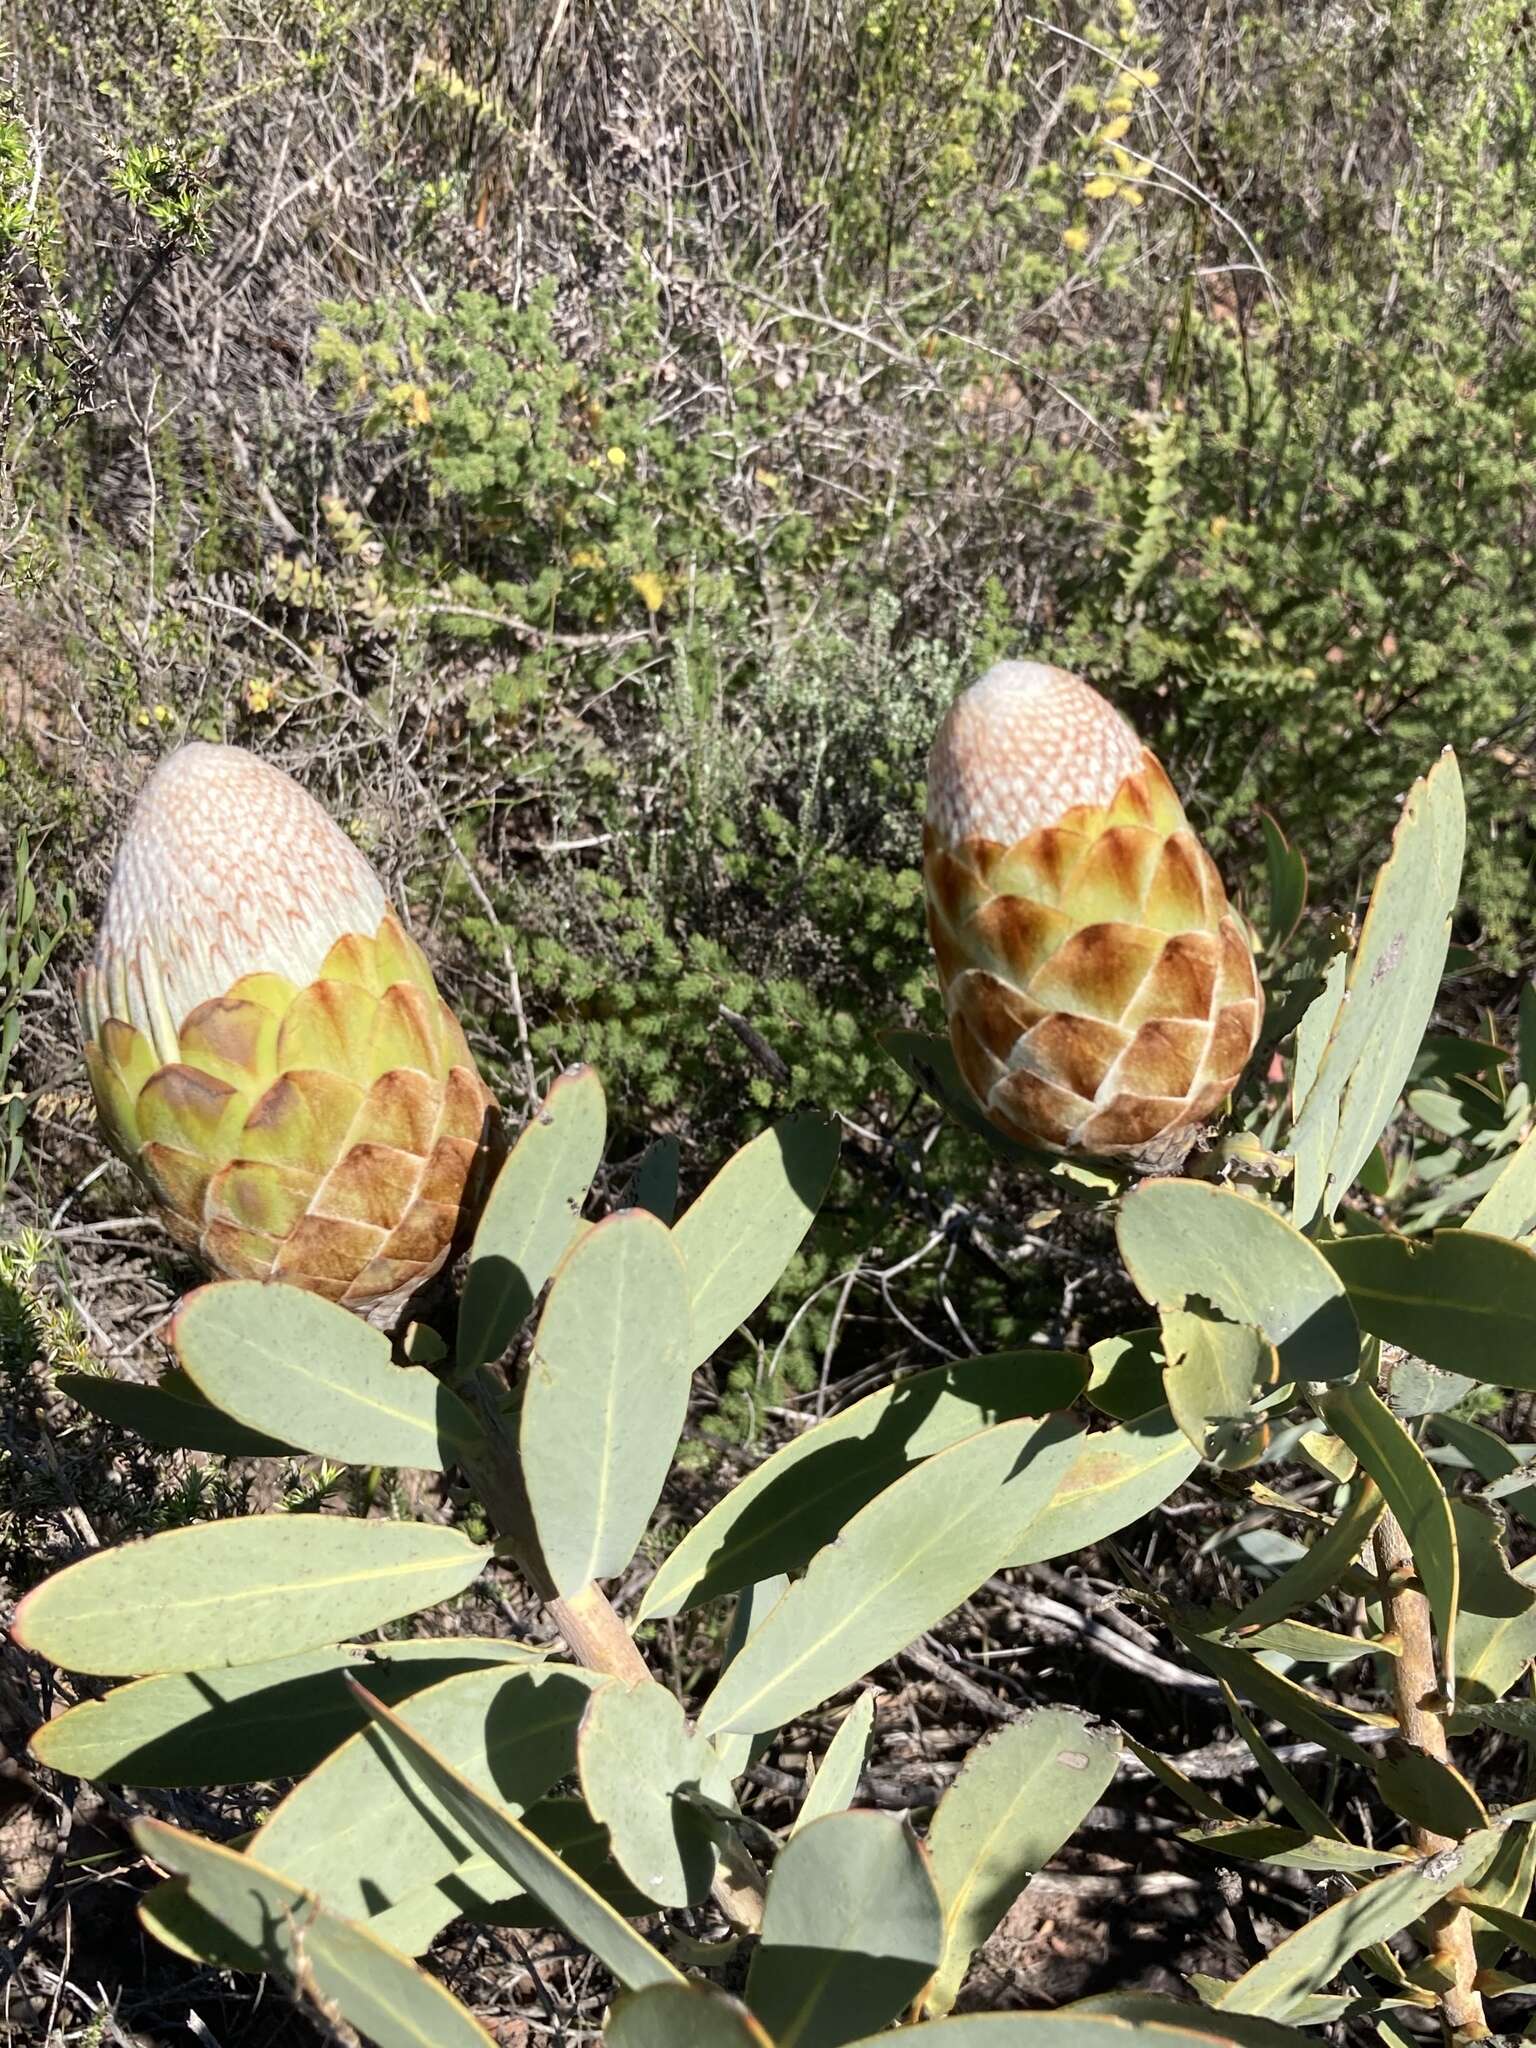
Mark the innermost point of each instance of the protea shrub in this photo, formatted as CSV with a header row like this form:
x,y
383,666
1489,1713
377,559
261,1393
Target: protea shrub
x,y
1102,994
266,1044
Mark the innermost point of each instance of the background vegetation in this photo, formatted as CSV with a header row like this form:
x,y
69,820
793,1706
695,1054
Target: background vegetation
x,y
590,443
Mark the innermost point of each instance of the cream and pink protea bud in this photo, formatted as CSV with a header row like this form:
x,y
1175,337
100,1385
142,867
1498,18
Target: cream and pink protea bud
x,y
267,1047
1102,994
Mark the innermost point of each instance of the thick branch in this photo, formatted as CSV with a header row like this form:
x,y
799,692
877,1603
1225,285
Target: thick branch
x,y
1417,1688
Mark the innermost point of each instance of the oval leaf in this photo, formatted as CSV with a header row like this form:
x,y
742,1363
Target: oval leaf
x,y
1019,1796
851,1932
1153,2022
251,1721
531,1215
1509,1207
345,1832
1413,1492
655,1186
1463,1301
605,1396
1285,873
1320,1569
163,1415
836,1783
1430,1794
1127,1374
743,1230
671,2015
1313,1956
1116,1476
1182,1237
585,1916
1393,980
237,1592
279,1359
780,1515
1216,1375
344,1968
1496,1611
638,1760
478,1889
900,1565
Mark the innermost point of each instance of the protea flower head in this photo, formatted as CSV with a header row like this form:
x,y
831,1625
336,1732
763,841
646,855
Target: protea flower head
x,y
267,1046
1102,995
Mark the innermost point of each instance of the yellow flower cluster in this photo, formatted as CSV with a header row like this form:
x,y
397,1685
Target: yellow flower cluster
x,y
1113,171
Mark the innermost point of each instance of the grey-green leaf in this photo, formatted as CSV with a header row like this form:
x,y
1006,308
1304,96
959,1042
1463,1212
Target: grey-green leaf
x,y
1392,983
1461,1300
737,1237
682,2016
240,1592
163,1415
605,1396
290,1364
655,1185
478,1889
1161,2022
780,1515
1286,1848
916,1551
1128,2021
851,1932
1509,1207
345,1832
1183,1238
752,1604
1505,1886
1019,1796
638,1761
1117,1476
1324,1564
1215,1376
1127,1374
1496,1623
531,1215
1295,1706
284,1929
1313,1956
248,1722
1317,1025
584,1915
836,1783
1413,1492
1286,876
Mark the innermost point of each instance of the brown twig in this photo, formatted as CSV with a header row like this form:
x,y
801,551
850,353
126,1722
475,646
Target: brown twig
x,y
1417,1691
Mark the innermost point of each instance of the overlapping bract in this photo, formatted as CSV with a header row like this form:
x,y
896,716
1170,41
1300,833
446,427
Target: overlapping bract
x,y
1102,995
267,1047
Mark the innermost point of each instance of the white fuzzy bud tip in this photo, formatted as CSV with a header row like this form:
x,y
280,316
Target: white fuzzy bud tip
x,y
227,868
1021,747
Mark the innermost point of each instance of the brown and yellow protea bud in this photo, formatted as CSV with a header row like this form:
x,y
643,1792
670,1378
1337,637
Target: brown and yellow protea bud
x,y
267,1046
1102,995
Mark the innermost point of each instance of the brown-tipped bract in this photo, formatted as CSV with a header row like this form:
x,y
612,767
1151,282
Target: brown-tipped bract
x,y
266,1044
1102,994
